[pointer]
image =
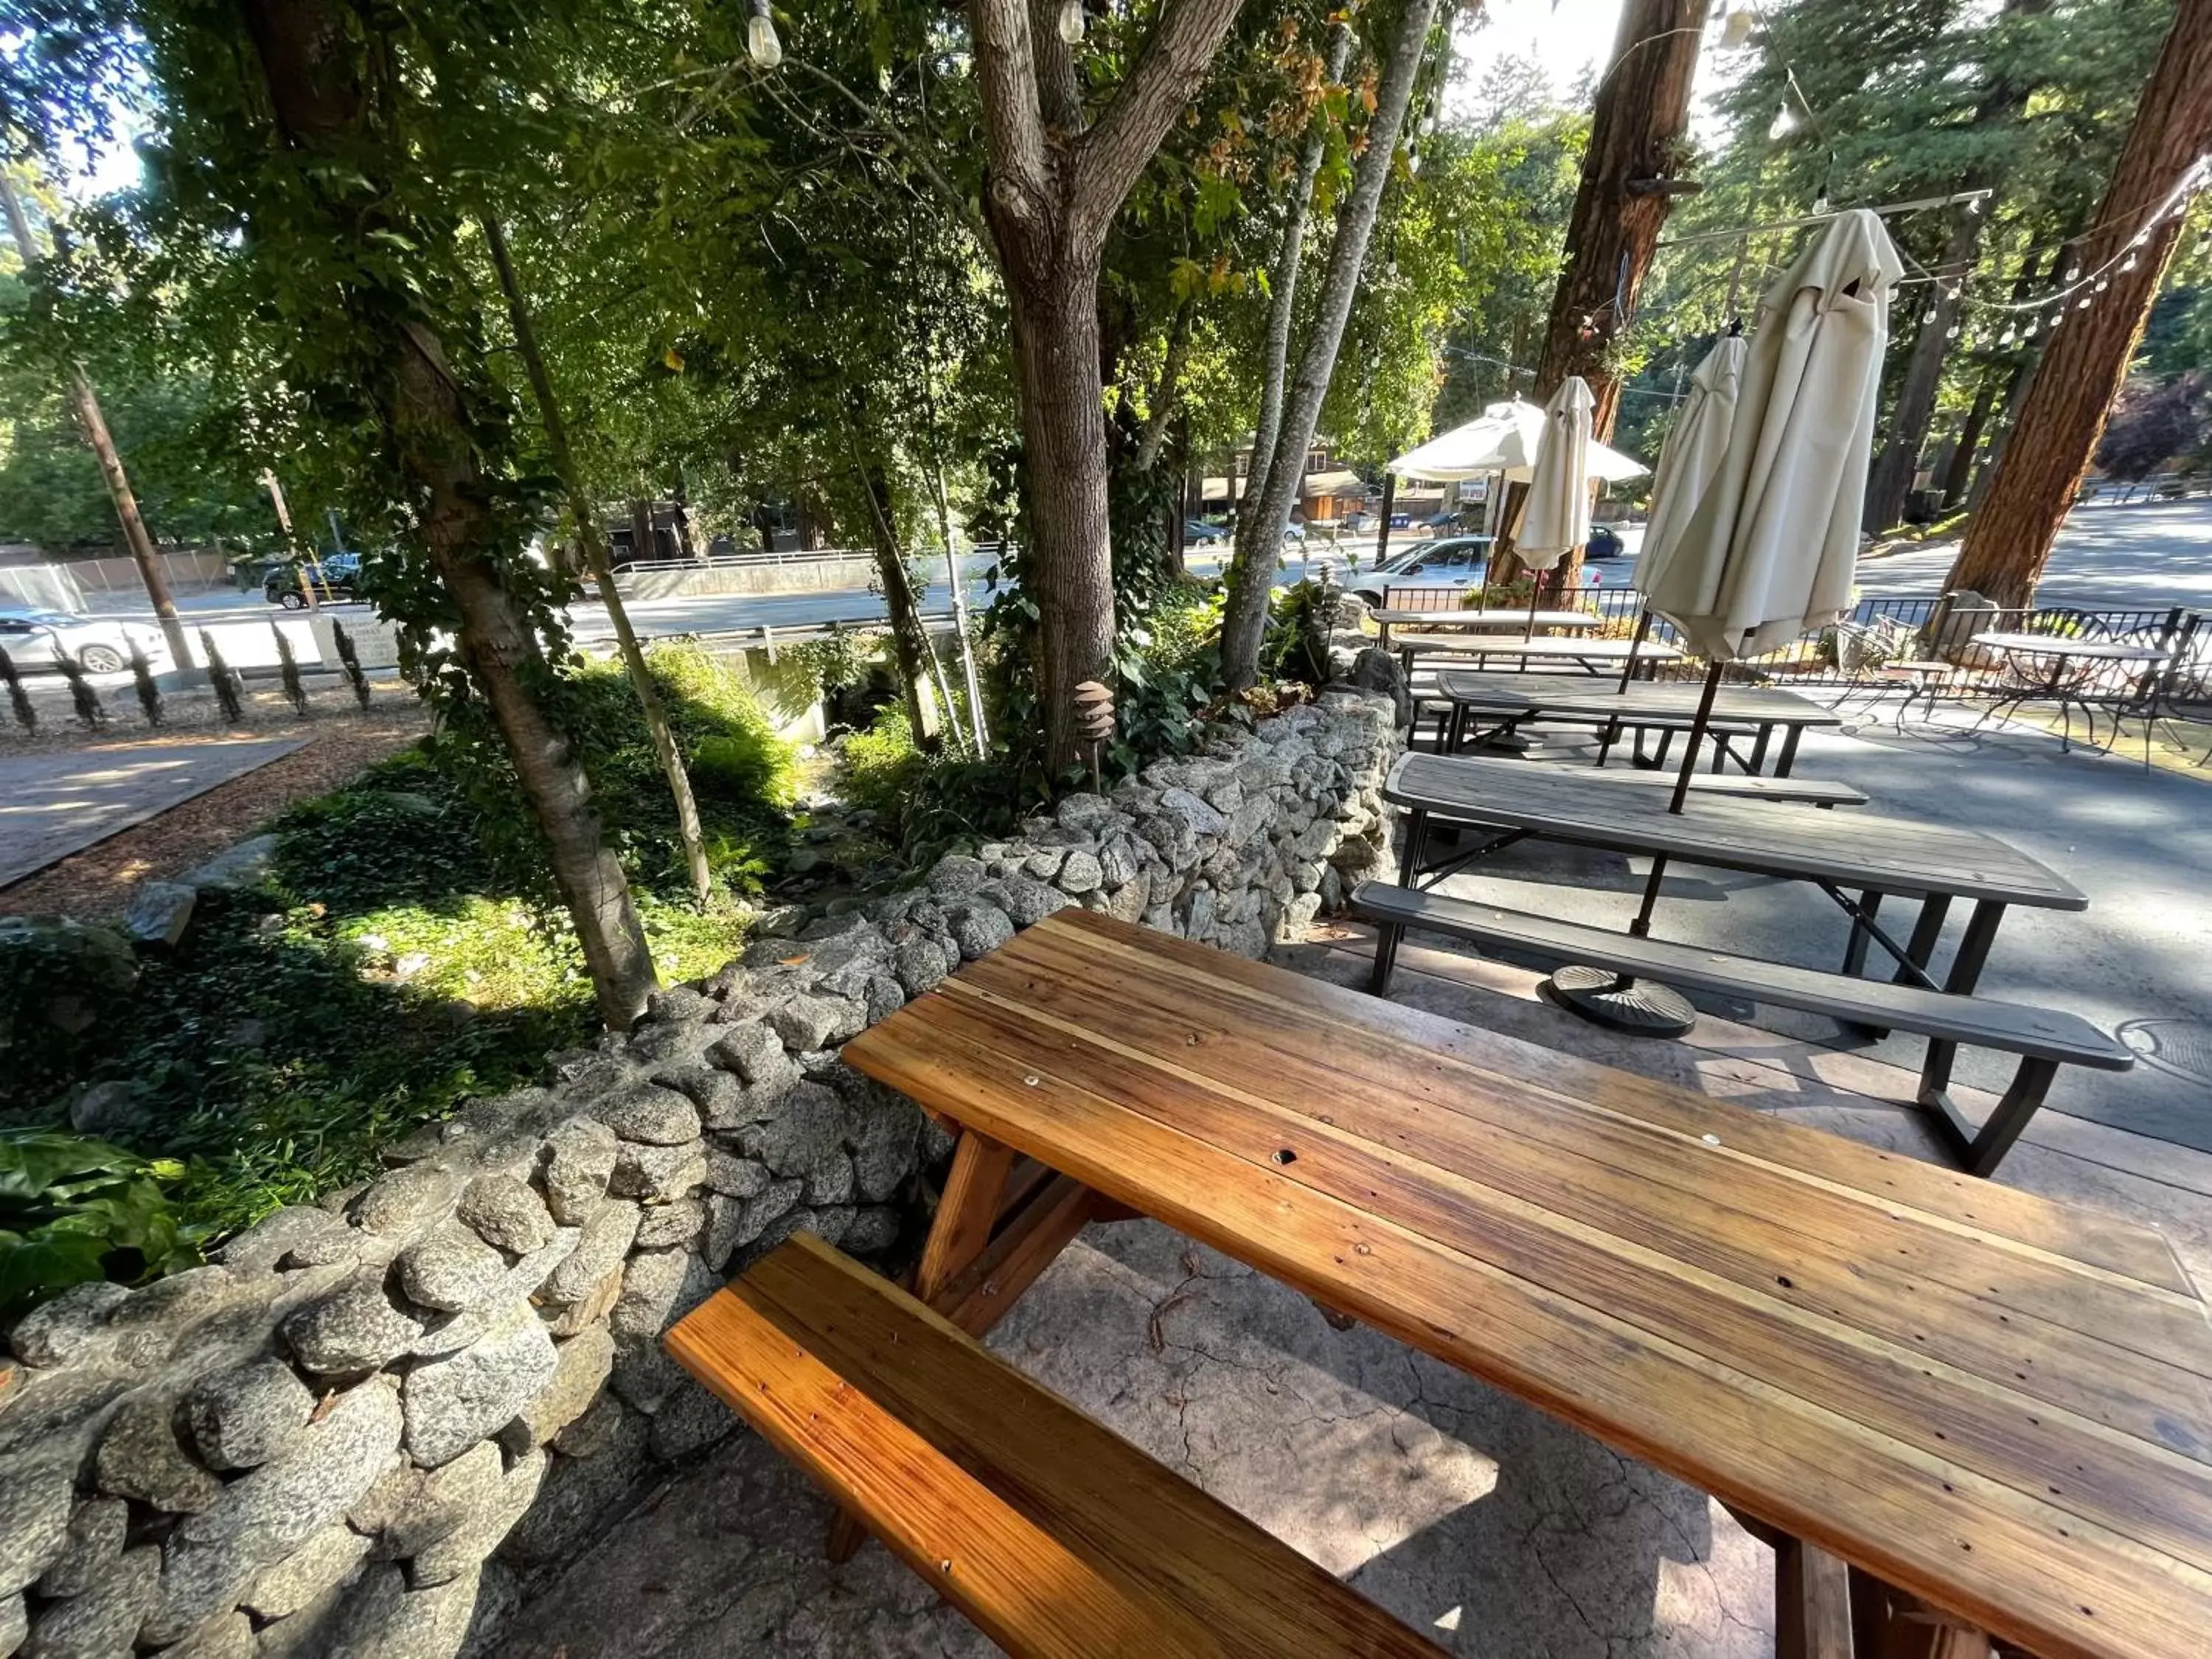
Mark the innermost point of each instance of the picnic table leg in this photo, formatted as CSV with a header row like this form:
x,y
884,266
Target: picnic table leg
x,y
1758,762
1458,729
1926,932
965,1215
1855,949
1965,971
1789,756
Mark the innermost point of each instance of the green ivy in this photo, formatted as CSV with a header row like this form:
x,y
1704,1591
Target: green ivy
x,y
73,1210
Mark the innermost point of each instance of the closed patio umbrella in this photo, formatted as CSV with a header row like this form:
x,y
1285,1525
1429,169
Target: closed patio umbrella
x,y
1770,549
1556,517
1688,462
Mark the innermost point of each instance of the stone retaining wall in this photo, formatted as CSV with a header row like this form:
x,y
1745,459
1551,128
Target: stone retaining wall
x,y
368,1426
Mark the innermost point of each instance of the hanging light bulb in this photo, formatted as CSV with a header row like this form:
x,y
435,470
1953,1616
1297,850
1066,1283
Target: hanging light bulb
x,y
1071,22
2128,264
2103,283
1952,333
1821,206
1784,124
2006,337
761,44
1737,26
2073,272
2084,305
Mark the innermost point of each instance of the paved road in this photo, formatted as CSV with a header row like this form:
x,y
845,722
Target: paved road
x,y
2147,553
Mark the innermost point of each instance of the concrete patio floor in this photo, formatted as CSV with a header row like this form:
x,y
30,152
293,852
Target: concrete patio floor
x,y
1472,1517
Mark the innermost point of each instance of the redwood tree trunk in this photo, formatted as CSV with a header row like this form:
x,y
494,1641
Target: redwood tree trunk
x,y
323,108
909,640
1891,480
1636,145
1961,469
2010,535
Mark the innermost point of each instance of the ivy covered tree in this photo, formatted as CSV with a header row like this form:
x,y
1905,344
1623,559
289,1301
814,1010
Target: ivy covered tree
x,y
326,136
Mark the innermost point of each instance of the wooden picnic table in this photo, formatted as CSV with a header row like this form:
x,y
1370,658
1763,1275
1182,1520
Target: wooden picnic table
x,y
1514,700
1591,656
1874,855
1999,1404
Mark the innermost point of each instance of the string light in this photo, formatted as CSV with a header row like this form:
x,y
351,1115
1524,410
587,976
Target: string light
x,y
1071,23
1784,124
761,44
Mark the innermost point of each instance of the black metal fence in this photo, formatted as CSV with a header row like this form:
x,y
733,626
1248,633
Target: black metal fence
x,y
1930,643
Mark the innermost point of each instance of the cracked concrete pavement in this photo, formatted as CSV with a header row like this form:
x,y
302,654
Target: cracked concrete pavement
x,y
1474,1518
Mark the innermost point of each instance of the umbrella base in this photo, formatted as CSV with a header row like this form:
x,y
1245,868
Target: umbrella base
x,y
1622,1004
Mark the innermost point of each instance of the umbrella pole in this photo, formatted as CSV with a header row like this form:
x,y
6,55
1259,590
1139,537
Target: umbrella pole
x,y
1636,645
1621,1002
1698,722
1535,587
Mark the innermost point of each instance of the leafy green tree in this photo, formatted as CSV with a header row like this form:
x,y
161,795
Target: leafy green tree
x,y
328,137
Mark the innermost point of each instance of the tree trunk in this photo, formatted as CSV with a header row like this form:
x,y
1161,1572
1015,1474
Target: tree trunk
x,y
917,664
323,109
594,541
642,543
1282,467
1636,147
93,424
1068,566
1051,194
1961,469
1283,280
2009,539
1891,480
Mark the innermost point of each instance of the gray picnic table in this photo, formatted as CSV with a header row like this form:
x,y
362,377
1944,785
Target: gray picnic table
x,y
1865,853
1511,700
1493,622
1591,656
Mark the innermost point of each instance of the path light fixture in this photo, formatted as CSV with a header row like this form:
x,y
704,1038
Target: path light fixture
x,y
760,43
1094,723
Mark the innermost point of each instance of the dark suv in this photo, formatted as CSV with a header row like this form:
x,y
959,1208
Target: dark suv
x,y
337,578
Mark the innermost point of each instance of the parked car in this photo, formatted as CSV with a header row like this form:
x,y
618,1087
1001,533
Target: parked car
x,y
98,645
1603,544
337,579
1452,561
1196,532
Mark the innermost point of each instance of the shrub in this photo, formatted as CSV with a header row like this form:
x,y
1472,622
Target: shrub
x,y
742,773
73,1210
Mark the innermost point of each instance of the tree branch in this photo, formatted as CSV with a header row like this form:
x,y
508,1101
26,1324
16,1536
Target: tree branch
x,y
1059,93
912,147
1111,156
1014,123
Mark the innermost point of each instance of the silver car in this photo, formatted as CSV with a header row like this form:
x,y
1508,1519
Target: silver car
x,y
98,645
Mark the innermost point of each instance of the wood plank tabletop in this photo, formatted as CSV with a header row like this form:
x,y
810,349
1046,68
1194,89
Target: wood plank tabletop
x,y
1998,1403
1863,850
1573,695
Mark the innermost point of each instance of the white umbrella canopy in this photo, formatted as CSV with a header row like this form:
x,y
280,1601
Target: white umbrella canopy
x,y
1690,458
1771,549
1504,439
1556,519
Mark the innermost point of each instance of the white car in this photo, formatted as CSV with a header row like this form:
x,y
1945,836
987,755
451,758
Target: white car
x,y
98,645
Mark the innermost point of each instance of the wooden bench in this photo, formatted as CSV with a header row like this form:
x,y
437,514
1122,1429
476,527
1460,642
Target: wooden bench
x,y
2043,1038
1056,1536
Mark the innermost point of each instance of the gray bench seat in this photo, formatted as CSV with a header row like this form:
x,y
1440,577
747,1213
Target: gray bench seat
x,y
2043,1038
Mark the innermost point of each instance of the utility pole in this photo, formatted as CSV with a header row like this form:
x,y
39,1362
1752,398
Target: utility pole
x,y
93,425
284,524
